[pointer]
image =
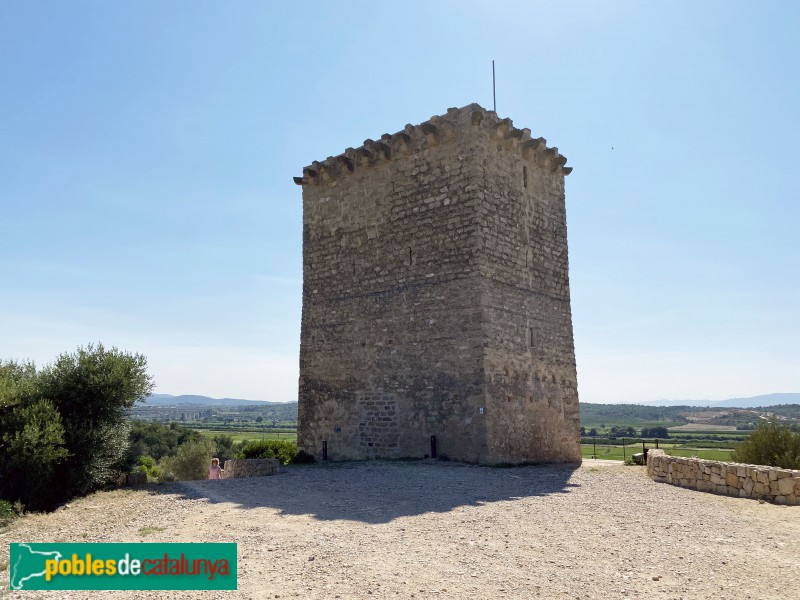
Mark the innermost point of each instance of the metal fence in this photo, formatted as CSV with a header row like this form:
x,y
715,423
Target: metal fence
x,y
615,448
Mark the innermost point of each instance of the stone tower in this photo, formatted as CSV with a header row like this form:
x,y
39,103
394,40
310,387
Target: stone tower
x,y
436,297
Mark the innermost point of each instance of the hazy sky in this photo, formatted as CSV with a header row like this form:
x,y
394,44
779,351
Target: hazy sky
x,y
147,151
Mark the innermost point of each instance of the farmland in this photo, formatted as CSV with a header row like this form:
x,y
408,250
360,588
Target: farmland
x,y
240,435
690,431
606,450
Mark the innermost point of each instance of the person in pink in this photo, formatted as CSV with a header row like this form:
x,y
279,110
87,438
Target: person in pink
x,y
214,471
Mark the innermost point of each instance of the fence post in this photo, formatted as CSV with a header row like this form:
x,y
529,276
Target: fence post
x,y
624,457
594,448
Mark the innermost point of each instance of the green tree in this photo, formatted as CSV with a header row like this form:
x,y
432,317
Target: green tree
x,y
63,430
773,444
223,448
151,438
655,432
32,451
92,390
148,466
32,444
17,382
191,461
621,431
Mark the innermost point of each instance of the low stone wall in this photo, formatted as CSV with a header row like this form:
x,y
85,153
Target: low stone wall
x,y
781,486
250,467
135,478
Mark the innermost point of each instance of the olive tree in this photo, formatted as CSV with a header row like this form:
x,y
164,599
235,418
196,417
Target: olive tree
x,y
64,431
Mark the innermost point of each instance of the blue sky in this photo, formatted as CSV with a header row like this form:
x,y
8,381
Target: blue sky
x,y
147,151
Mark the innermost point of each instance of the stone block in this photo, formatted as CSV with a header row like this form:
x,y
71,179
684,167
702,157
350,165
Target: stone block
x,y
785,486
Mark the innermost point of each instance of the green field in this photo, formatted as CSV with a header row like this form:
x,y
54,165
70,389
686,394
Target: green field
x,y
608,452
616,452
253,434
702,428
709,435
706,453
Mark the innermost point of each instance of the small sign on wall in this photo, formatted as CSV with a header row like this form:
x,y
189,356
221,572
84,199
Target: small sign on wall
x,y
480,410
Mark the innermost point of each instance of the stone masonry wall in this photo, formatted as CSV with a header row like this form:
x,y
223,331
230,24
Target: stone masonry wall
x,y
431,258
250,467
531,379
781,486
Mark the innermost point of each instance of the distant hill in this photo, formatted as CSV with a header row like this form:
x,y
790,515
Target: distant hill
x,y
742,418
752,402
169,400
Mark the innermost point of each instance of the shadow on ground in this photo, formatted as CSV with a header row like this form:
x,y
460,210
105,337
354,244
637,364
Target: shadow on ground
x,y
379,492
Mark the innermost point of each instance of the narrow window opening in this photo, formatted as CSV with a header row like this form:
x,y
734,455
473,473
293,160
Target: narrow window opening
x,y
530,336
524,177
410,256
354,268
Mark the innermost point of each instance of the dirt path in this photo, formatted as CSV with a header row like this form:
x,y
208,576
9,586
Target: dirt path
x,y
444,530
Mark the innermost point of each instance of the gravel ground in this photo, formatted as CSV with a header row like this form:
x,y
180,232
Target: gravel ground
x,y
445,530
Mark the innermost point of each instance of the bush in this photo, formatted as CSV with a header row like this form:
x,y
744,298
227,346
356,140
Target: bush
x,y
191,461
285,451
148,466
7,513
149,438
33,452
224,448
772,444
655,432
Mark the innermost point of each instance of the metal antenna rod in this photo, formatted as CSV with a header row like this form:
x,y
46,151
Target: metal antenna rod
x,y
494,95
